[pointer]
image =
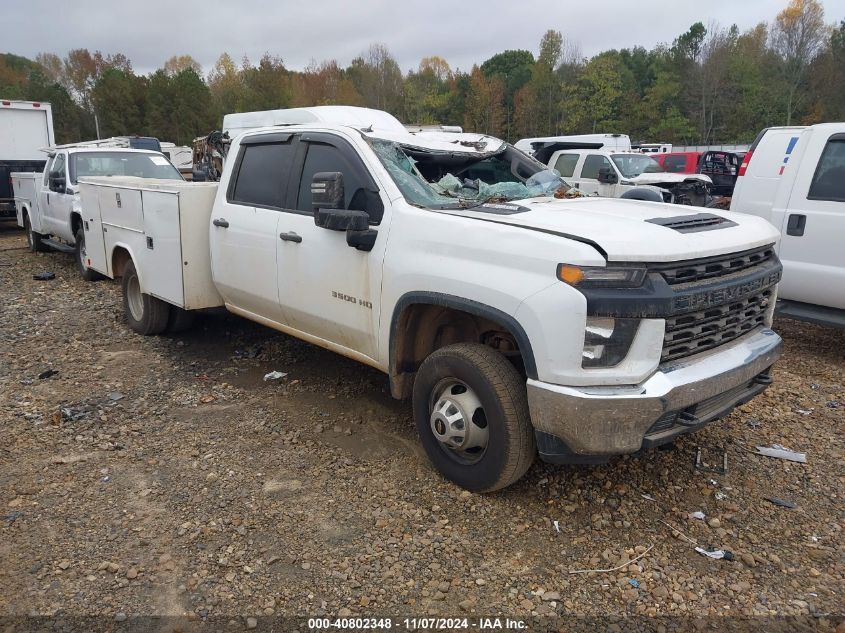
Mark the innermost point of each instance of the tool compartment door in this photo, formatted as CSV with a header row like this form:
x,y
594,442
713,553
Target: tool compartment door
x,y
160,259
92,224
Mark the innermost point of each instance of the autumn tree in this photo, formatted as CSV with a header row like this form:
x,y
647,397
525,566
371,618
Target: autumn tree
x,y
226,86
178,63
485,104
513,67
797,35
378,79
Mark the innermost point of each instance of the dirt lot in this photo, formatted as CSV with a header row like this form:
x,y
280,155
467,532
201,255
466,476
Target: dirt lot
x,y
164,476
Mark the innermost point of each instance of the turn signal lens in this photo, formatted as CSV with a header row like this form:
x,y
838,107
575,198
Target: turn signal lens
x,y
570,274
601,276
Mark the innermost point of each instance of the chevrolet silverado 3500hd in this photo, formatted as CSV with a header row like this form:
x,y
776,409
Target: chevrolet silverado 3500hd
x,y
518,320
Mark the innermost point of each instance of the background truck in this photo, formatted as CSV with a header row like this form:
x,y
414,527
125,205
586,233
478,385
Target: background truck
x,y
47,204
517,321
628,175
26,129
794,177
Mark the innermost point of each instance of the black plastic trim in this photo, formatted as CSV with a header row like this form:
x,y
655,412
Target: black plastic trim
x,y
554,450
657,299
472,307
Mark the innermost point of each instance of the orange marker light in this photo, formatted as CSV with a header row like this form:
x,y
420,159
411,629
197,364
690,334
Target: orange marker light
x,y
570,274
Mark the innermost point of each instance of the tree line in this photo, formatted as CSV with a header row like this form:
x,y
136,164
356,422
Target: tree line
x,y
710,85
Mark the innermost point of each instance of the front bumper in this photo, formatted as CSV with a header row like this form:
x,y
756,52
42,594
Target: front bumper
x,y
591,423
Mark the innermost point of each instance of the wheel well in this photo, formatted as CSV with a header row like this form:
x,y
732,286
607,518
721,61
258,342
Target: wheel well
x,y
119,258
75,223
419,329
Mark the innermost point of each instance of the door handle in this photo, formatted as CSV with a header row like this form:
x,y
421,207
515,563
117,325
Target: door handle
x,y
291,237
221,223
795,224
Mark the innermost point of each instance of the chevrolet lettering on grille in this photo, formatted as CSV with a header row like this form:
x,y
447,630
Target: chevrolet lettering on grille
x,y
724,295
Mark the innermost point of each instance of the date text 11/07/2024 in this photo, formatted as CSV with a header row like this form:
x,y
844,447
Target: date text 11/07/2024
x,y
417,624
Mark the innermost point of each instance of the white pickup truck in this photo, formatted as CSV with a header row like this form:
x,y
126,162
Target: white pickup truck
x,y
625,174
794,177
47,204
518,321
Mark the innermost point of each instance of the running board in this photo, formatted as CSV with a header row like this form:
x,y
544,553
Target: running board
x,y
59,246
811,313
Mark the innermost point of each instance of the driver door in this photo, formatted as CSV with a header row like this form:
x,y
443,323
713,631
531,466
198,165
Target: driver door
x,y
328,289
51,196
589,181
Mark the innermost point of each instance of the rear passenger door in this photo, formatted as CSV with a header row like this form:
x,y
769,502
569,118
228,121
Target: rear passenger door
x,y
243,233
329,289
814,227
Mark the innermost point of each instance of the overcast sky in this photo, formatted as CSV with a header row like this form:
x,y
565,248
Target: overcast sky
x,y
464,32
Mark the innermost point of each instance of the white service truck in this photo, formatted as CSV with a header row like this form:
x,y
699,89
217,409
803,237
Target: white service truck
x,y
794,177
26,128
627,174
47,204
517,320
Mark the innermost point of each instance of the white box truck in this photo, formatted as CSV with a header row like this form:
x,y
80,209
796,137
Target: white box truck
x,y
517,321
26,130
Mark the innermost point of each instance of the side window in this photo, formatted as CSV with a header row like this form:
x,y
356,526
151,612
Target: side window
x,y
675,164
358,187
565,164
592,165
263,174
829,179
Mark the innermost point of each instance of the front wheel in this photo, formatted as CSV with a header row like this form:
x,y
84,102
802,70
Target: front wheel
x,y
144,313
81,256
471,410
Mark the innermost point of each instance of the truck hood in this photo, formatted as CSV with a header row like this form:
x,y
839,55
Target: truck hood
x,y
668,179
632,230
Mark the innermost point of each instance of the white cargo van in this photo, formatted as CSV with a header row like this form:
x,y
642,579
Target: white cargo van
x,y
794,177
26,127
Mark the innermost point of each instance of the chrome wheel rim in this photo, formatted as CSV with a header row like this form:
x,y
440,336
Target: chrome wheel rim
x,y
134,299
458,421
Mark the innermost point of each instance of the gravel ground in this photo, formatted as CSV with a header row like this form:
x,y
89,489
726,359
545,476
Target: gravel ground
x,y
163,476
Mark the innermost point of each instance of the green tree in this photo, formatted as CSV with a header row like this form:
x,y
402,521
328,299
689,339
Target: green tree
x,y
513,67
119,99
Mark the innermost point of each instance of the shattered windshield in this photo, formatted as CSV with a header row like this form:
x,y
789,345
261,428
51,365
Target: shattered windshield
x,y
437,179
632,165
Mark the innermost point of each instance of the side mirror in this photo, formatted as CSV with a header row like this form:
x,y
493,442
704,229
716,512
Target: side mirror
x,y
199,175
57,183
327,191
607,176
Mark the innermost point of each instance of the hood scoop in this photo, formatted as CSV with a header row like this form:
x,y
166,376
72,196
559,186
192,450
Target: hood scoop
x,y
694,223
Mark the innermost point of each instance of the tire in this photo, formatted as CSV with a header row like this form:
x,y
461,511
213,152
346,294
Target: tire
x,y
33,239
180,320
86,273
144,314
459,378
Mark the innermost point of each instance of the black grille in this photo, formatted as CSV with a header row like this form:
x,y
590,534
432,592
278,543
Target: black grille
x,y
694,332
711,267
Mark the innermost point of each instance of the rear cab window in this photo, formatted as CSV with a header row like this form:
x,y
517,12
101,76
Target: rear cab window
x,y
565,164
675,164
262,172
829,178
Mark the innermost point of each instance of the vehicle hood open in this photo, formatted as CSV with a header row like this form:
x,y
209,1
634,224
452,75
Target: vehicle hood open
x,y
627,230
